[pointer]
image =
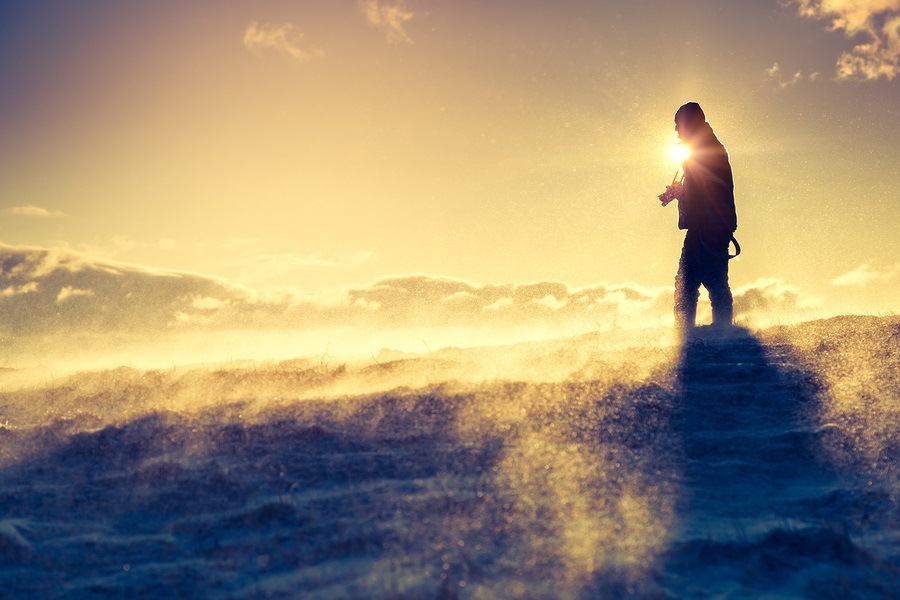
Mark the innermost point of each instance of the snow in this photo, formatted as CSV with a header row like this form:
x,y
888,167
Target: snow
x,y
745,465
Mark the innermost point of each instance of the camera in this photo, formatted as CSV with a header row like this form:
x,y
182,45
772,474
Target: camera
x,y
673,190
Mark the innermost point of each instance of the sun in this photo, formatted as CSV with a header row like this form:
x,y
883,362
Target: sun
x,y
679,152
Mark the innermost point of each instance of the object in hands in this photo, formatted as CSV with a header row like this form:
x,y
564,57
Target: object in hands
x,y
673,190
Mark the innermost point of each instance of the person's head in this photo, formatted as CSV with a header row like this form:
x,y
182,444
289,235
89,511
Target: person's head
x,y
688,118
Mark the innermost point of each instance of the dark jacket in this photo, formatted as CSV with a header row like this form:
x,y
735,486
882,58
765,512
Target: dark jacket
x,y
707,200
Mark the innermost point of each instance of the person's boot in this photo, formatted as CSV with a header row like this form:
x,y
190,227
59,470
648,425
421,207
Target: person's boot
x,y
685,321
722,314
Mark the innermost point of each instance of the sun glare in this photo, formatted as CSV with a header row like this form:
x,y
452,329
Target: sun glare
x,y
679,152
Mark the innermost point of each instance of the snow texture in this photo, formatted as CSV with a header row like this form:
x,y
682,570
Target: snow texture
x,y
742,465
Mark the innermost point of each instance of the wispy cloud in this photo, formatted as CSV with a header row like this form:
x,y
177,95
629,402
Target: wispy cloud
x,y
865,274
29,210
390,16
878,21
15,290
785,81
68,292
279,38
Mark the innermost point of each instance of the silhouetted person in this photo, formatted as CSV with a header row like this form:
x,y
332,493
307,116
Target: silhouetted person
x,y
706,210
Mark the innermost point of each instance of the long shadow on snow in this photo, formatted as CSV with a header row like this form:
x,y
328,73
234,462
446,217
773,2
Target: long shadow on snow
x,y
757,508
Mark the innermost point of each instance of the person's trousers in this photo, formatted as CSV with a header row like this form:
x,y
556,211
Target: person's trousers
x,y
703,262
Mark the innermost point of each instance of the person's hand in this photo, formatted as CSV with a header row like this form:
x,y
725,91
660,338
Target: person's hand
x,y
672,192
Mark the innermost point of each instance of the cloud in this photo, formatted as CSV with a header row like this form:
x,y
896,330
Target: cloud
x,y
775,74
551,302
55,291
865,274
104,296
772,300
71,292
51,297
29,210
427,301
877,21
280,38
15,290
389,16
501,304
207,303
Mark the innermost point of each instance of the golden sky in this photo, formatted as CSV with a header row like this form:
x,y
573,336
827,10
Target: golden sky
x,y
286,148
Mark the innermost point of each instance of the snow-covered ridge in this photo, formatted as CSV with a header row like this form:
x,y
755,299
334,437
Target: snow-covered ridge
x,y
758,463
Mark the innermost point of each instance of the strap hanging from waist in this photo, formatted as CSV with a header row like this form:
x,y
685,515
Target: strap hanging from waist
x,y
725,255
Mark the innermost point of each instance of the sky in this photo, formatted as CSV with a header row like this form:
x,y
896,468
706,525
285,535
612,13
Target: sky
x,y
286,166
